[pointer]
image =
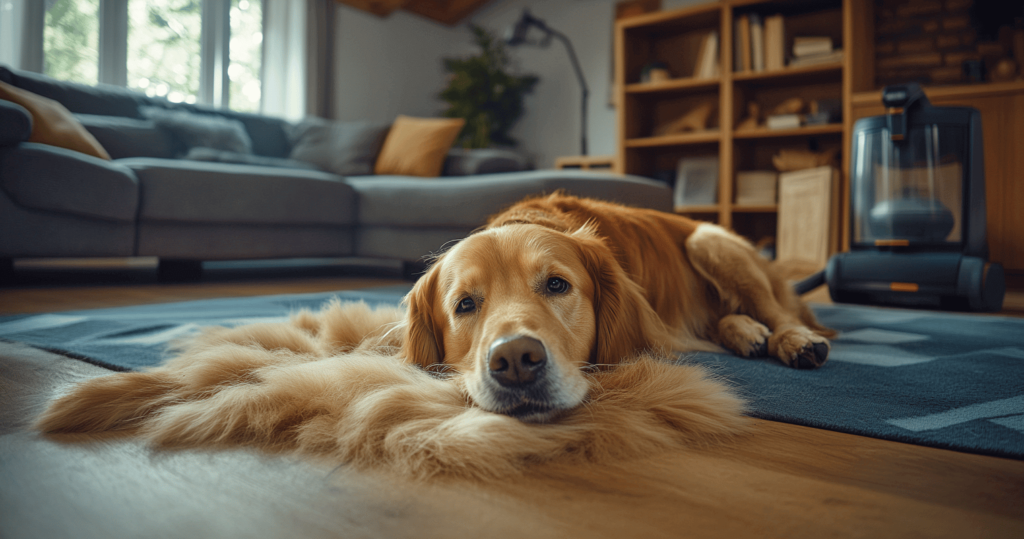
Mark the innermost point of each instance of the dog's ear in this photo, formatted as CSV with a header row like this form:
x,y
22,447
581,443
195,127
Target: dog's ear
x,y
626,323
423,342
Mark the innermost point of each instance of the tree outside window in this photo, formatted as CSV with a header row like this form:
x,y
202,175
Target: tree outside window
x,y
164,46
71,41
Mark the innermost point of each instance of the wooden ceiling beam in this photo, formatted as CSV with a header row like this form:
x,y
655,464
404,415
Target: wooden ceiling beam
x,y
380,8
449,12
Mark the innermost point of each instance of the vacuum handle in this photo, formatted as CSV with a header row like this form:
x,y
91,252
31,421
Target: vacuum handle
x,y
899,99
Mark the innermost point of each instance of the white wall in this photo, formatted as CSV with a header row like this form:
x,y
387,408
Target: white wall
x,y
393,66
390,66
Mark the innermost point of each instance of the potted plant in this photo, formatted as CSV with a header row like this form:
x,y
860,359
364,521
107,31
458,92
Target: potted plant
x,y
484,90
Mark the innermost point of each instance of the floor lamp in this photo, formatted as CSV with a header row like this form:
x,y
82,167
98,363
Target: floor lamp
x,y
517,36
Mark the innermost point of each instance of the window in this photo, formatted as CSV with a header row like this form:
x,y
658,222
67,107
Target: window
x,y
161,48
164,48
71,41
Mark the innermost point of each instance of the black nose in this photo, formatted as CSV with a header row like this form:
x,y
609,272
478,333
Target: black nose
x,y
517,360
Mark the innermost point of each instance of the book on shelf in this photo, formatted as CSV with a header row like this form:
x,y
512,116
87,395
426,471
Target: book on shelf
x,y
756,187
810,46
707,57
774,42
833,57
783,121
756,42
744,34
808,216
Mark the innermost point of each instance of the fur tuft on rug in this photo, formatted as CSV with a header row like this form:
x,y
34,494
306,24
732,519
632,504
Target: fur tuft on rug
x,y
329,384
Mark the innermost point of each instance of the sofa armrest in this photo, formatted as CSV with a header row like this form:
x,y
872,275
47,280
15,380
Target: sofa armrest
x,y
463,162
15,123
48,178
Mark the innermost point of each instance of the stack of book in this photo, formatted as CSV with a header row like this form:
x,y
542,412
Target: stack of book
x,y
814,51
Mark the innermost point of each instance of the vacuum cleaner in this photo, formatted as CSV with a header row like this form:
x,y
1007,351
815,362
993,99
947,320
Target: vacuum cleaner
x,y
917,211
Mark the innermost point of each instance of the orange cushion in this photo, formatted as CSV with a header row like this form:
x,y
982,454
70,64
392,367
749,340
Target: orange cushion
x,y
53,124
417,146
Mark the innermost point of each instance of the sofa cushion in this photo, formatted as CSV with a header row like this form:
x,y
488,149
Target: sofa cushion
x,y
203,192
220,156
345,148
201,130
468,201
48,178
53,124
101,99
15,123
130,137
417,146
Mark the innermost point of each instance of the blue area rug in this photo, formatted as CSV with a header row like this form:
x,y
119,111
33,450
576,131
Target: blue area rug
x,y
944,380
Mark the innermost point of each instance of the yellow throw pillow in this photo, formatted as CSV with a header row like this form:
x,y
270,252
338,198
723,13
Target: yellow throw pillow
x,y
417,146
53,124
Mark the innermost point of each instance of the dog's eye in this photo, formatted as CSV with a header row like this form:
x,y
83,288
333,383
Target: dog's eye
x,y
557,285
467,305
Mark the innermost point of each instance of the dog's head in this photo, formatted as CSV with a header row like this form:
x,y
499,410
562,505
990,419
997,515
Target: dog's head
x,y
520,309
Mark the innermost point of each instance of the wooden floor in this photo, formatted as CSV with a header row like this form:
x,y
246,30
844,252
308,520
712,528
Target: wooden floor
x,y
781,481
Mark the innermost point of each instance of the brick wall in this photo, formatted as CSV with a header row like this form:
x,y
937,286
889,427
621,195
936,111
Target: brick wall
x,y
928,41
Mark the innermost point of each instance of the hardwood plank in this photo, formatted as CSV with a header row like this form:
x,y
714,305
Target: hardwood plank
x,y
781,480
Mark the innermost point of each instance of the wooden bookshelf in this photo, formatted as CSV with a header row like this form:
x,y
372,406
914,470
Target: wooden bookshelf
x,y
673,38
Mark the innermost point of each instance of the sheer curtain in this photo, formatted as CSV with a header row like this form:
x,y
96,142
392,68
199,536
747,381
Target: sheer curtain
x,y
298,61
21,34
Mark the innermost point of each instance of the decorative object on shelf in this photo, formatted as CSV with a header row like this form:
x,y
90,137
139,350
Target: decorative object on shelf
x,y
696,181
518,34
786,115
824,111
753,118
756,187
789,159
655,72
483,90
1005,70
696,119
793,105
974,71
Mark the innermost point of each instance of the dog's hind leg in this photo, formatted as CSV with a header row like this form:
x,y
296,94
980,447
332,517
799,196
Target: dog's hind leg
x,y
745,286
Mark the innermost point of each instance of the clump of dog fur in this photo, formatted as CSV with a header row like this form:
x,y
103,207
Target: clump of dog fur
x,y
330,384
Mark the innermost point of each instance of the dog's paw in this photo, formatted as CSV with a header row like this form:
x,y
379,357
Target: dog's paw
x,y
743,335
799,347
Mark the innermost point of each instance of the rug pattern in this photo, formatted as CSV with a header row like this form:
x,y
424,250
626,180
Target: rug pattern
x,y
937,379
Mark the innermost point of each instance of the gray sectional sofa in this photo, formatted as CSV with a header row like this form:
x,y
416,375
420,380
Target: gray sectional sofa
x,y
148,201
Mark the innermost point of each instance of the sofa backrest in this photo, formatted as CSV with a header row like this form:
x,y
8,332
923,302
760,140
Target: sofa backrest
x,y
269,135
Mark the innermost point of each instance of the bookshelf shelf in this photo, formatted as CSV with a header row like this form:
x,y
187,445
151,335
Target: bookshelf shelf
x,y
674,140
713,208
674,85
793,75
806,131
767,208
676,37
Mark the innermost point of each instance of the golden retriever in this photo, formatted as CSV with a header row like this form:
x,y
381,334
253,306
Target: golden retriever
x,y
559,311
557,283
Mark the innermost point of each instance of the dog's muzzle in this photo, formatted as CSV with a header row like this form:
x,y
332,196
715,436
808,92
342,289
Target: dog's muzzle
x,y
518,361
519,371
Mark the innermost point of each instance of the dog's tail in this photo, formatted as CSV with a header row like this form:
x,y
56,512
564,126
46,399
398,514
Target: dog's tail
x,y
117,402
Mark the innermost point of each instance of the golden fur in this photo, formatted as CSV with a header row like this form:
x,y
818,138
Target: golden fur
x,y
599,294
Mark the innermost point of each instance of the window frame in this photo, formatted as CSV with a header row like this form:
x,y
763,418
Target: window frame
x,y
215,40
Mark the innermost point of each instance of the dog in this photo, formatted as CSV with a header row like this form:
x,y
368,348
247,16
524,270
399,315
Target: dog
x,y
560,310
557,283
